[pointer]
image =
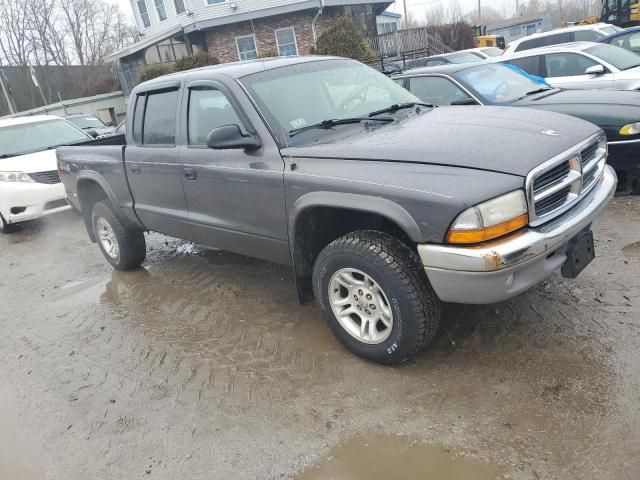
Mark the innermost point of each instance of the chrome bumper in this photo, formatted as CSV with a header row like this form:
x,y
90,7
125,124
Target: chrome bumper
x,y
498,270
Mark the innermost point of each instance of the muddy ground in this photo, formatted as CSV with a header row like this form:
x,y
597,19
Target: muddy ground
x,y
203,365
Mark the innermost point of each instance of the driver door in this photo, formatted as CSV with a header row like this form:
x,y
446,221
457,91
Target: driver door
x,y
235,197
567,70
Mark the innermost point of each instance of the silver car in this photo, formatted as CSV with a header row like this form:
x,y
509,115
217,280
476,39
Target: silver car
x,y
581,65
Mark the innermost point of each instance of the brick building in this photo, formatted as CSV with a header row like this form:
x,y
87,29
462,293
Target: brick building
x,y
233,30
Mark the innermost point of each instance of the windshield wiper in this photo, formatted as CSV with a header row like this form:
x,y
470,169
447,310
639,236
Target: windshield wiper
x,y
400,106
327,124
539,90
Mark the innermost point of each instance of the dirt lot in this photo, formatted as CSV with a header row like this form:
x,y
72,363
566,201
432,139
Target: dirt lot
x,y
203,365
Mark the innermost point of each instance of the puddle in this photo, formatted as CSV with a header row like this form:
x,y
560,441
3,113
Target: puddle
x,y
220,257
632,250
379,456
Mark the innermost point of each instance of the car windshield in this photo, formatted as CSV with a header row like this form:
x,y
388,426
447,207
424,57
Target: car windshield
x,y
618,57
86,123
493,51
464,57
499,84
34,137
302,95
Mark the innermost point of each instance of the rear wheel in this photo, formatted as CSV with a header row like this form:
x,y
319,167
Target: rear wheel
x,y
375,296
123,247
6,227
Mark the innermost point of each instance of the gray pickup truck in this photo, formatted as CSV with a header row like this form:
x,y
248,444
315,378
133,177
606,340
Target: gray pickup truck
x,y
383,206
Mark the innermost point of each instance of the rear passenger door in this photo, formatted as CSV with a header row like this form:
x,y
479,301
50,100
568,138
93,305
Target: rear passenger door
x,y
567,70
152,164
235,197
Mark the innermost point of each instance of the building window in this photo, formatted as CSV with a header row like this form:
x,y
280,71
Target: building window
x,y
215,2
160,8
179,4
144,14
387,27
167,51
247,49
286,42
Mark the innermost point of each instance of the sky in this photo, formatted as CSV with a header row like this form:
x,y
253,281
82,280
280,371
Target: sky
x,y
415,7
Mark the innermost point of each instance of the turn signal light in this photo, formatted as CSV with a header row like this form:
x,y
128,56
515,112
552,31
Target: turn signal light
x,y
488,233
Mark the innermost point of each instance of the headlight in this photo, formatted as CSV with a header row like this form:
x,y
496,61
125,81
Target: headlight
x,y
631,129
491,219
15,177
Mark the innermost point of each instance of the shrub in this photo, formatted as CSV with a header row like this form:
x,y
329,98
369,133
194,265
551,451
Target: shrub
x,y
154,70
268,52
342,38
200,59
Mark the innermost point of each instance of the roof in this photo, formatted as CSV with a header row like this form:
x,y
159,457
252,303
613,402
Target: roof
x,y
448,69
237,70
511,22
26,120
561,47
390,14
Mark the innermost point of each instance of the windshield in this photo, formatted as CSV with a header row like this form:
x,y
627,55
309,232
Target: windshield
x,y
618,57
86,123
37,136
493,51
498,84
297,96
464,57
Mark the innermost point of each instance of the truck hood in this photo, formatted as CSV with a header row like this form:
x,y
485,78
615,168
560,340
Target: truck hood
x,y
501,139
44,161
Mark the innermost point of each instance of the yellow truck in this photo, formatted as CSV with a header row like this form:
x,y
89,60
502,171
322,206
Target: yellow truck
x,y
621,12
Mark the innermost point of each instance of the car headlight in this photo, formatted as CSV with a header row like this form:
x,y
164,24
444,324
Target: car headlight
x,y
491,219
631,129
15,177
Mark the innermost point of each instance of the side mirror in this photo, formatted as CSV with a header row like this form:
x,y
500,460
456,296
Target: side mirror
x,y
464,101
230,137
595,70
92,132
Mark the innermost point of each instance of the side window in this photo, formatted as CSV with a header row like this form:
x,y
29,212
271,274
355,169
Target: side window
x,y
436,90
160,119
567,64
557,39
587,36
433,63
208,109
529,44
137,119
400,81
531,65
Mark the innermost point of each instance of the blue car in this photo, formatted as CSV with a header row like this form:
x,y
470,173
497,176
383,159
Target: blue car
x,y
628,39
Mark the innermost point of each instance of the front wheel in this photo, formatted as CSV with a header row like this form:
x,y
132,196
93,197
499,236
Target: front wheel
x,y
375,296
123,247
5,227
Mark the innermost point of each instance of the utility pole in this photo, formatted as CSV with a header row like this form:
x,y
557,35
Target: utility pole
x,y
406,17
480,12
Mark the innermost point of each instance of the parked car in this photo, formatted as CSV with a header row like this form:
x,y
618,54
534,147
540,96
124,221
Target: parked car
x,y
91,124
582,65
484,53
383,206
30,187
616,112
121,128
628,39
582,33
444,59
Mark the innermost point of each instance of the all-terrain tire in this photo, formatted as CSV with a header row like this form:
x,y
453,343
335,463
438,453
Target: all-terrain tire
x,y
5,227
131,246
396,269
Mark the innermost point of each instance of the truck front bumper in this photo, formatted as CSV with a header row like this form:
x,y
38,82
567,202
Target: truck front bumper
x,y
498,270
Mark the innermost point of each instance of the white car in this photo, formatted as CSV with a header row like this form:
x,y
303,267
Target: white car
x,y
581,65
583,33
30,187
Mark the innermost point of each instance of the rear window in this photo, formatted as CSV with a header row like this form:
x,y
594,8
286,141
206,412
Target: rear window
x,y
529,44
618,57
160,119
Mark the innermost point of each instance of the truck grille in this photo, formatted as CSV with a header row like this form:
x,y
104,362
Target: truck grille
x,y
49,178
556,185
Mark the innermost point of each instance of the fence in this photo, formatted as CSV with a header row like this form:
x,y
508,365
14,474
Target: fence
x,y
402,43
108,107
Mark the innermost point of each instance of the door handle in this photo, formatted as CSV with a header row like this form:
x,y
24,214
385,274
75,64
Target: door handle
x,y
190,173
135,169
